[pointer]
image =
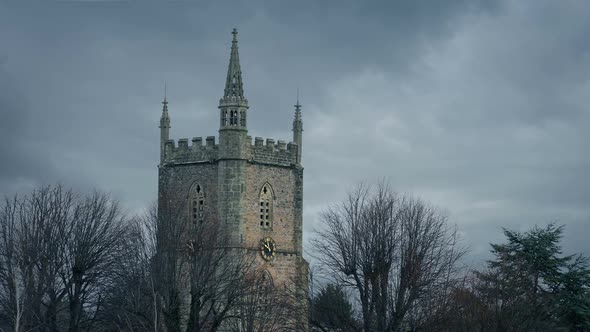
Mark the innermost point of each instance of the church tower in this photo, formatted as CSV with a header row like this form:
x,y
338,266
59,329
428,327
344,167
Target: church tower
x,y
252,188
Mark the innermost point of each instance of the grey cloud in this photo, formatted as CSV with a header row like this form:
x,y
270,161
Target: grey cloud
x,y
478,106
24,158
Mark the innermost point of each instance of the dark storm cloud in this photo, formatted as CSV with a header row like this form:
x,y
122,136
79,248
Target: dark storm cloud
x,y
491,124
24,159
477,106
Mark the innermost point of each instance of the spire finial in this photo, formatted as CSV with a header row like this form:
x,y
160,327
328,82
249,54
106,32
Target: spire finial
x,y
165,101
297,108
298,128
234,90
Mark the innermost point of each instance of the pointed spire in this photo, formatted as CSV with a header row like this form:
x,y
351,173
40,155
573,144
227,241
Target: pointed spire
x,y
297,109
234,89
164,128
298,129
165,119
165,102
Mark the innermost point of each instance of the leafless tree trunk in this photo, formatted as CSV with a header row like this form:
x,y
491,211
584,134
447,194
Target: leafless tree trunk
x,y
200,275
12,296
266,307
146,291
97,239
390,248
130,302
170,263
56,257
33,230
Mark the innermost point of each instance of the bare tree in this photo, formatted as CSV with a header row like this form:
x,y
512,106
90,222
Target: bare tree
x,y
392,249
97,233
169,263
131,302
218,275
177,275
266,307
34,229
58,250
12,299
200,273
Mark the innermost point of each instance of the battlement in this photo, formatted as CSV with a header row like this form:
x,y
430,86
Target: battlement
x,y
262,151
269,152
196,152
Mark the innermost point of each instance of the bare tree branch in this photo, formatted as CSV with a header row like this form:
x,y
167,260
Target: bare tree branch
x,y
391,249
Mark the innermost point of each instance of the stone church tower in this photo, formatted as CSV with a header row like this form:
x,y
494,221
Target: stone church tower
x,y
254,189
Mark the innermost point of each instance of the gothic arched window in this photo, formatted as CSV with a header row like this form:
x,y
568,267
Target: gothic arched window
x,y
233,118
243,118
223,118
266,205
265,287
197,204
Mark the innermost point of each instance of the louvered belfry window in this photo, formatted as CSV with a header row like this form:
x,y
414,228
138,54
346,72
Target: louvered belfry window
x,y
266,205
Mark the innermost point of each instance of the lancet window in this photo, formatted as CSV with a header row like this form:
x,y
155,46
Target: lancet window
x,y
197,204
266,206
265,287
233,118
242,118
223,118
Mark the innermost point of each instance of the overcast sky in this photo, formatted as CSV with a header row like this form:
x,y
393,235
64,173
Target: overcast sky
x,y
480,107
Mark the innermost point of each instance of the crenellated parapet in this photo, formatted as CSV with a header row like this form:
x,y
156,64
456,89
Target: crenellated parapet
x,y
269,152
195,152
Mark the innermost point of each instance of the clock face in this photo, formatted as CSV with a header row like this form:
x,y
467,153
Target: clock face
x,y
268,248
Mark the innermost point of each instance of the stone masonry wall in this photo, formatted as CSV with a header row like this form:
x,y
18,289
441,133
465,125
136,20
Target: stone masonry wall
x,y
184,152
175,183
231,185
286,218
282,181
233,177
281,153
269,152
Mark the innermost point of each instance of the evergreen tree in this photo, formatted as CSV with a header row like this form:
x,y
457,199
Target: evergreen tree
x,y
331,310
532,286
